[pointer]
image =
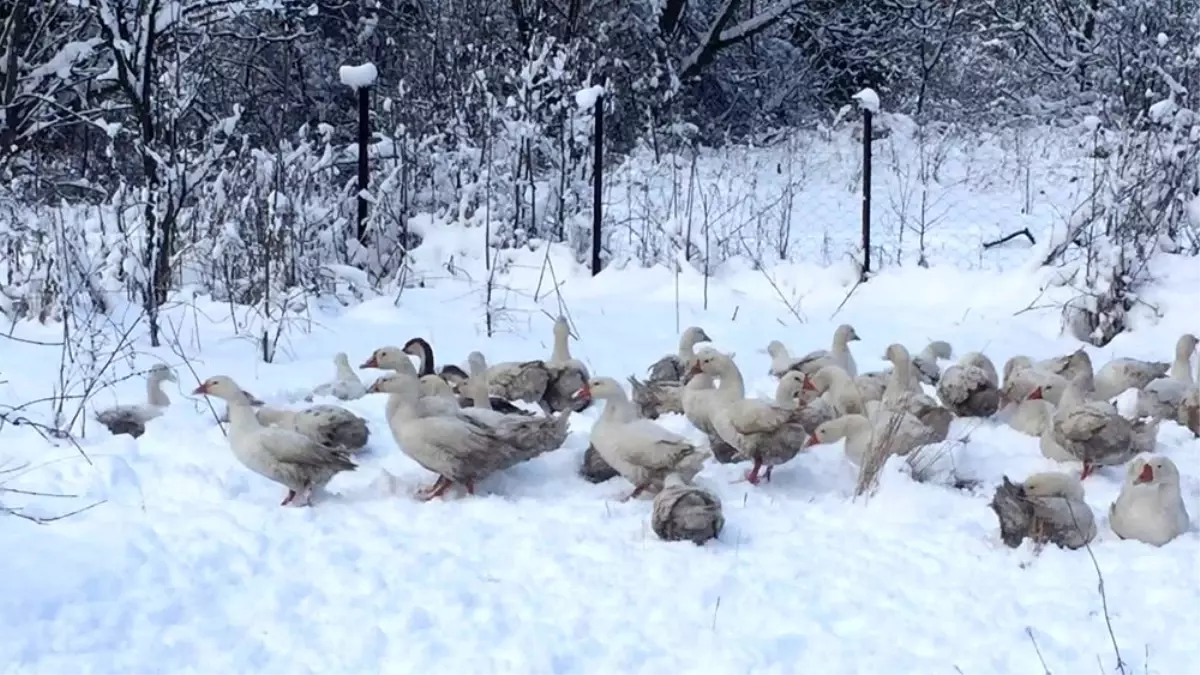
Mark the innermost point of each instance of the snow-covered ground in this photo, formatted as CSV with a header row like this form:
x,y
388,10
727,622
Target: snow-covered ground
x,y
191,565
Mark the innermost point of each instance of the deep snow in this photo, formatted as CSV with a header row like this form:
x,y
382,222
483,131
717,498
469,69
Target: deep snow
x,y
191,565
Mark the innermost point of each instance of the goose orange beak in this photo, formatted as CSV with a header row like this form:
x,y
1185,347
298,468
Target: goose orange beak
x,y
695,369
1036,394
374,388
202,389
808,385
582,394
1146,475
370,363
812,440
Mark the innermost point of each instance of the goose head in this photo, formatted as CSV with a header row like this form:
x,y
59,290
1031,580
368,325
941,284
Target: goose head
x,y
223,387
160,372
711,362
419,348
775,349
939,349
477,364
1185,346
1153,470
390,358
696,334
845,333
598,388
896,353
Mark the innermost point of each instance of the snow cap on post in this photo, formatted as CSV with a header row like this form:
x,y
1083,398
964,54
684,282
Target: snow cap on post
x,y
358,77
586,99
867,100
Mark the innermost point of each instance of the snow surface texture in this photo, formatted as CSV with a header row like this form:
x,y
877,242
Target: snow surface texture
x,y
358,77
191,565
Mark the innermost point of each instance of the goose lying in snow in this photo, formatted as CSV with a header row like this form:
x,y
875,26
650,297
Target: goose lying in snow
x,y
345,385
765,433
699,398
458,445
325,424
1021,377
452,374
839,355
971,387
1150,507
287,457
685,512
1046,507
640,450
885,432
663,391
925,363
675,367
567,375
1118,375
1031,416
1161,397
1068,366
131,419
900,382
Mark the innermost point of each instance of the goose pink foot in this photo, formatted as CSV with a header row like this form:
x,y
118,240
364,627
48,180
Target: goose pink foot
x,y
438,488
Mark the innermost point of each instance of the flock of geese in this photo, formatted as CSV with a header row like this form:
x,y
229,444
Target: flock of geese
x,y
464,425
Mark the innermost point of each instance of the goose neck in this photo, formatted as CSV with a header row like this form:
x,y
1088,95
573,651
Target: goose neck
x,y
155,395
562,352
1181,369
732,384
426,358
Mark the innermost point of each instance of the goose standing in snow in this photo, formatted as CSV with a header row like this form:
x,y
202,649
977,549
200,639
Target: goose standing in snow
x,y
763,432
971,387
1160,398
901,383
452,374
684,512
1045,507
282,455
1150,507
345,385
131,419
640,450
457,445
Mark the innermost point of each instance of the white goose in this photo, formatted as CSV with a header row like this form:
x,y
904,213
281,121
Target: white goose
x,y
638,449
1150,507
131,419
285,456
1160,398
765,433
345,385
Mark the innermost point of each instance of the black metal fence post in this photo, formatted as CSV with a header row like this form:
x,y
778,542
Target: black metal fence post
x,y
598,182
866,192
364,164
